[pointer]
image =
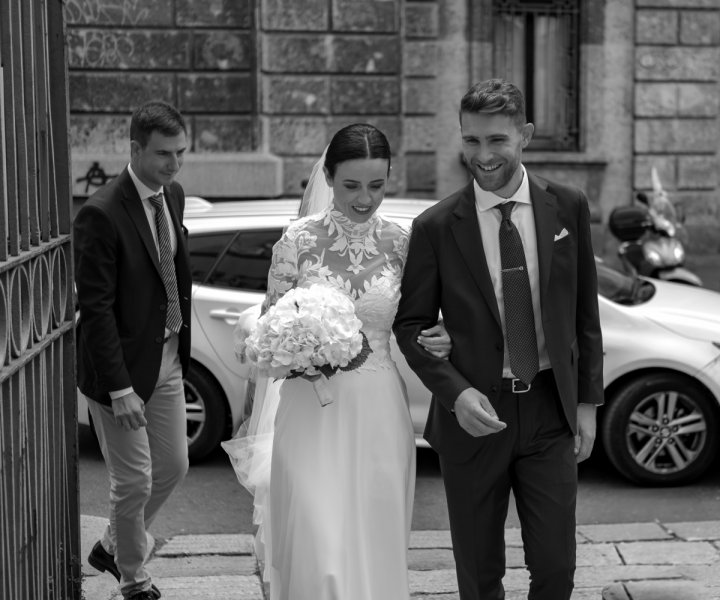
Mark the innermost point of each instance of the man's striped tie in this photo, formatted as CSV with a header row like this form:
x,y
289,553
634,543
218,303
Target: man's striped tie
x,y
173,320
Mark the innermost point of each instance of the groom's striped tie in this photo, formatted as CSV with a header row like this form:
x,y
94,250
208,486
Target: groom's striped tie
x,y
173,320
519,315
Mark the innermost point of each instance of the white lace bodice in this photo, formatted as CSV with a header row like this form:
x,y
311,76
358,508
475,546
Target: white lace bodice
x,y
363,260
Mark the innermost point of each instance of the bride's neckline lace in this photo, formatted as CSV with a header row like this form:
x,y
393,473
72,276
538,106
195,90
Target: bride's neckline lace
x,y
352,239
353,228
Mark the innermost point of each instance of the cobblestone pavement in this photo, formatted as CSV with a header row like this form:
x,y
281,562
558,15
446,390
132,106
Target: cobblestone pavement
x,y
629,561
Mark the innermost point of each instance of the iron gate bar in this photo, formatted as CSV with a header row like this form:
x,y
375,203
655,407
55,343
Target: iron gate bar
x,y
39,508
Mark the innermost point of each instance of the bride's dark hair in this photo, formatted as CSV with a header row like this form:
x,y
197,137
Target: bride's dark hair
x,y
359,140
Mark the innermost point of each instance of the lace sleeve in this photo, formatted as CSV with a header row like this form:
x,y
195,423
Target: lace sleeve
x,y
283,274
401,243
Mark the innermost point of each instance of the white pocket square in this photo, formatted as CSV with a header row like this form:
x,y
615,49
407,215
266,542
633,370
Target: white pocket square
x,y
561,235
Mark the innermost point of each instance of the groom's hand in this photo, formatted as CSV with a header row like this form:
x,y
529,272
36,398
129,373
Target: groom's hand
x,y
476,415
585,438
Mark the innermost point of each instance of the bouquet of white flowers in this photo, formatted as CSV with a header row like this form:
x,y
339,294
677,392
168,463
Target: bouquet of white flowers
x,y
310,332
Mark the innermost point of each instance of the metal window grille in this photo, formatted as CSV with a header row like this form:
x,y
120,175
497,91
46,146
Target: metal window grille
x,y
536,46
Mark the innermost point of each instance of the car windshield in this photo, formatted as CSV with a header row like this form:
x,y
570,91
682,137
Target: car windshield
x,y
622,288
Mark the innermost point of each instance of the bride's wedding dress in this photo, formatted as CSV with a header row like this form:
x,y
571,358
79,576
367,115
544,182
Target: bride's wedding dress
x,y
335,521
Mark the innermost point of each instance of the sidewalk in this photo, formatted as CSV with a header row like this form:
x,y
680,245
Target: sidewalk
x,y
630,561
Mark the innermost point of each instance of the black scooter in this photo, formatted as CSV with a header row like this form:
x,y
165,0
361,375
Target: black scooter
x,y
649,246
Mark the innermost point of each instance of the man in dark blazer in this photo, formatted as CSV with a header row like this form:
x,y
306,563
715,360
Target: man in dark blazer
x,y
133,337
495,430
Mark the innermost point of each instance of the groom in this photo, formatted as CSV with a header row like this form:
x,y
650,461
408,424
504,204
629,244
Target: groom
x,y
508,260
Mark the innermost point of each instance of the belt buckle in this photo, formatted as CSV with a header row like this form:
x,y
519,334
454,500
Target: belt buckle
x,y
523,387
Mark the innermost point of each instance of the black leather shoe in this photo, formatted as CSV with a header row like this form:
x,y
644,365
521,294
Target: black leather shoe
x,y
102,560
146,595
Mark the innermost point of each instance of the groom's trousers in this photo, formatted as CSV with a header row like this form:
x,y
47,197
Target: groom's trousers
x,y
534,457
144,466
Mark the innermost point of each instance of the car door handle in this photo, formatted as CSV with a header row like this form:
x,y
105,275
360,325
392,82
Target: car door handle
x,y
229,315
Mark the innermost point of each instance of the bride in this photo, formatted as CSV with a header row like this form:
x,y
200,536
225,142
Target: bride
x,y
335,520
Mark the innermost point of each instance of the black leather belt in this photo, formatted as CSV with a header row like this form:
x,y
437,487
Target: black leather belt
x,y
516,386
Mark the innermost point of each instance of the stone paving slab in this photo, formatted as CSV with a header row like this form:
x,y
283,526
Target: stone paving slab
x,y
199,566
441,539
708,574
103,587
586,594
517,580
426,559
696,531
624,532
214,587
668,553
591,577
440,581
597,555
516,583
513,538
514,557
616,591
522,595
667,590
224,543
430,539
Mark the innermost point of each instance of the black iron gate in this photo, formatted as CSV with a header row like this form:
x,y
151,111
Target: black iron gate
x,y
39,520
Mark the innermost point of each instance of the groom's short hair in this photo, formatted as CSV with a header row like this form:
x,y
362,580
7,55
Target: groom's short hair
x,y
495,96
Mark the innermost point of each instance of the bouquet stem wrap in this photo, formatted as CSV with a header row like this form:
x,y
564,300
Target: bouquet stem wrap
x,y
322,389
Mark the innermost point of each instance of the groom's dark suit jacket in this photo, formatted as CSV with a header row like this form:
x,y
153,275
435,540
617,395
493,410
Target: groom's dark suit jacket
x,y
121,292
446,270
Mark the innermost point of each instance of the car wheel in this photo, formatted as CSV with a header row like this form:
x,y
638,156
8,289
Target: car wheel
x,y
661,429
206,413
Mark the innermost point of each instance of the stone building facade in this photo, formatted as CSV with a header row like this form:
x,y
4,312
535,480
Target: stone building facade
x,y
265,83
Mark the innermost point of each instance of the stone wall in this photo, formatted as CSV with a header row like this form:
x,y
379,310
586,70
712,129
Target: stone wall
x,y
198,55
265,83
676,109
325,64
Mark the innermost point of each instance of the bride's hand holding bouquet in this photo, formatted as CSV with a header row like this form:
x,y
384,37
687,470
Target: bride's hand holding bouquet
x,y
311,333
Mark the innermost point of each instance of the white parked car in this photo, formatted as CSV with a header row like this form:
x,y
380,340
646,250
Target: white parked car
x,y
661,421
